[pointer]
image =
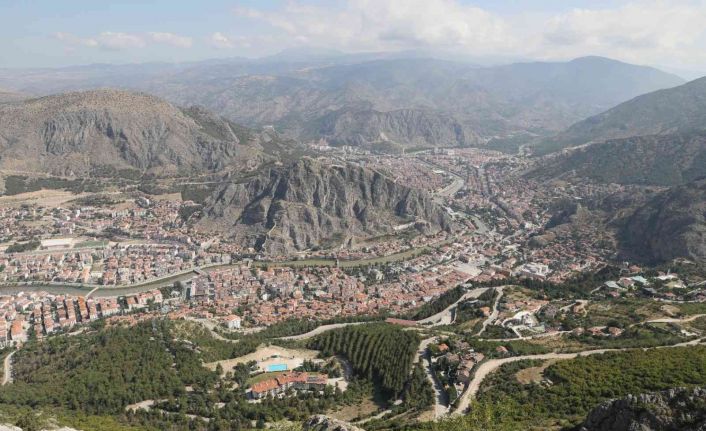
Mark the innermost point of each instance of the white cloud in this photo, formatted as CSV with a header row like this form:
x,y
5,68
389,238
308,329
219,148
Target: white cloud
x,y
219,40
648,31
172,39
643,31
70,39
106,40
117,40
375,24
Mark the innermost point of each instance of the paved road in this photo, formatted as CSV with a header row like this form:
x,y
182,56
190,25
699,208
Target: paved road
x,y
494,314
446,316
7,373
320,330
489,366
443,317
441,398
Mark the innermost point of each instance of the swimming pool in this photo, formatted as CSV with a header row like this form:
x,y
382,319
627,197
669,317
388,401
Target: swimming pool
x,y
276,367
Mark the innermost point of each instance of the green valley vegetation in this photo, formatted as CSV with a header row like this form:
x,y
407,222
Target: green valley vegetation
x,y
101,373
21,247
570,389
379,351
88,380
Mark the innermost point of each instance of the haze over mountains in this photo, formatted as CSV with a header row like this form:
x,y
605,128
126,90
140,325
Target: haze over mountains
x,y
665,112
353,100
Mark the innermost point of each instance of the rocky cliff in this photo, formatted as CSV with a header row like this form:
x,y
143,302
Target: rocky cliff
x,y
405,127
672,224
110,132
311,203
672,410
325,423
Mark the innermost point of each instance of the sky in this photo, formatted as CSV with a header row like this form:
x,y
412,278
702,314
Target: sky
x,y
54,33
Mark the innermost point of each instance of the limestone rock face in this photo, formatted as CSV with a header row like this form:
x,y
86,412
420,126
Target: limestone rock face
x,y
104,132
312,203
671,410
413,127
325,423
670,225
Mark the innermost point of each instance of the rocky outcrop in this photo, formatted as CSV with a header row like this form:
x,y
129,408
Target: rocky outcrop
x,y
670,225
311,203
672,410
110,132
405,127
325,423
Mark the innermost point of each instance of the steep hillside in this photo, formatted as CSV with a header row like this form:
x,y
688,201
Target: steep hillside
x,y
11,96
315,204
407,127
664,160
672,224
110,132
669,111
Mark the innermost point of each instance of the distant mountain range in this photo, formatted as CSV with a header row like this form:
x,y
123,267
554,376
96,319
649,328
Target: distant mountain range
x,y
364,100
670,111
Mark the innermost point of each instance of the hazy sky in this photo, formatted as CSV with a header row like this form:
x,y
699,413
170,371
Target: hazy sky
x,y
67,32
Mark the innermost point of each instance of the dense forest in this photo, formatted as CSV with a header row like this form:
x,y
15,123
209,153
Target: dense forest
x,y
88,380
380,352
105,371
575,386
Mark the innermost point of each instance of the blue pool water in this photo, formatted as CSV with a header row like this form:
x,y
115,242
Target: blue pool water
x,y
277,367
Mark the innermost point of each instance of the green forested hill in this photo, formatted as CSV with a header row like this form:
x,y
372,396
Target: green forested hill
x,y
574,387
380,351
103,372
662,160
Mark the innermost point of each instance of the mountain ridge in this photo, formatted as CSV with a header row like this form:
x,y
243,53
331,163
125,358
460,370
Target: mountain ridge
x,y
107,130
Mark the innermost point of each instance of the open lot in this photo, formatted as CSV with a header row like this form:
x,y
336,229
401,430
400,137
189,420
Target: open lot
x,y
268,355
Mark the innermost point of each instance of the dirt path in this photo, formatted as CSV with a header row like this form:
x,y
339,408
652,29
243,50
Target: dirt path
x,y
675,320
489,366
7,373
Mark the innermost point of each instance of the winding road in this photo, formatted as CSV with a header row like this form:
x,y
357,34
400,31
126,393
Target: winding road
x,y
494,314
319,330
447,315
489,366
